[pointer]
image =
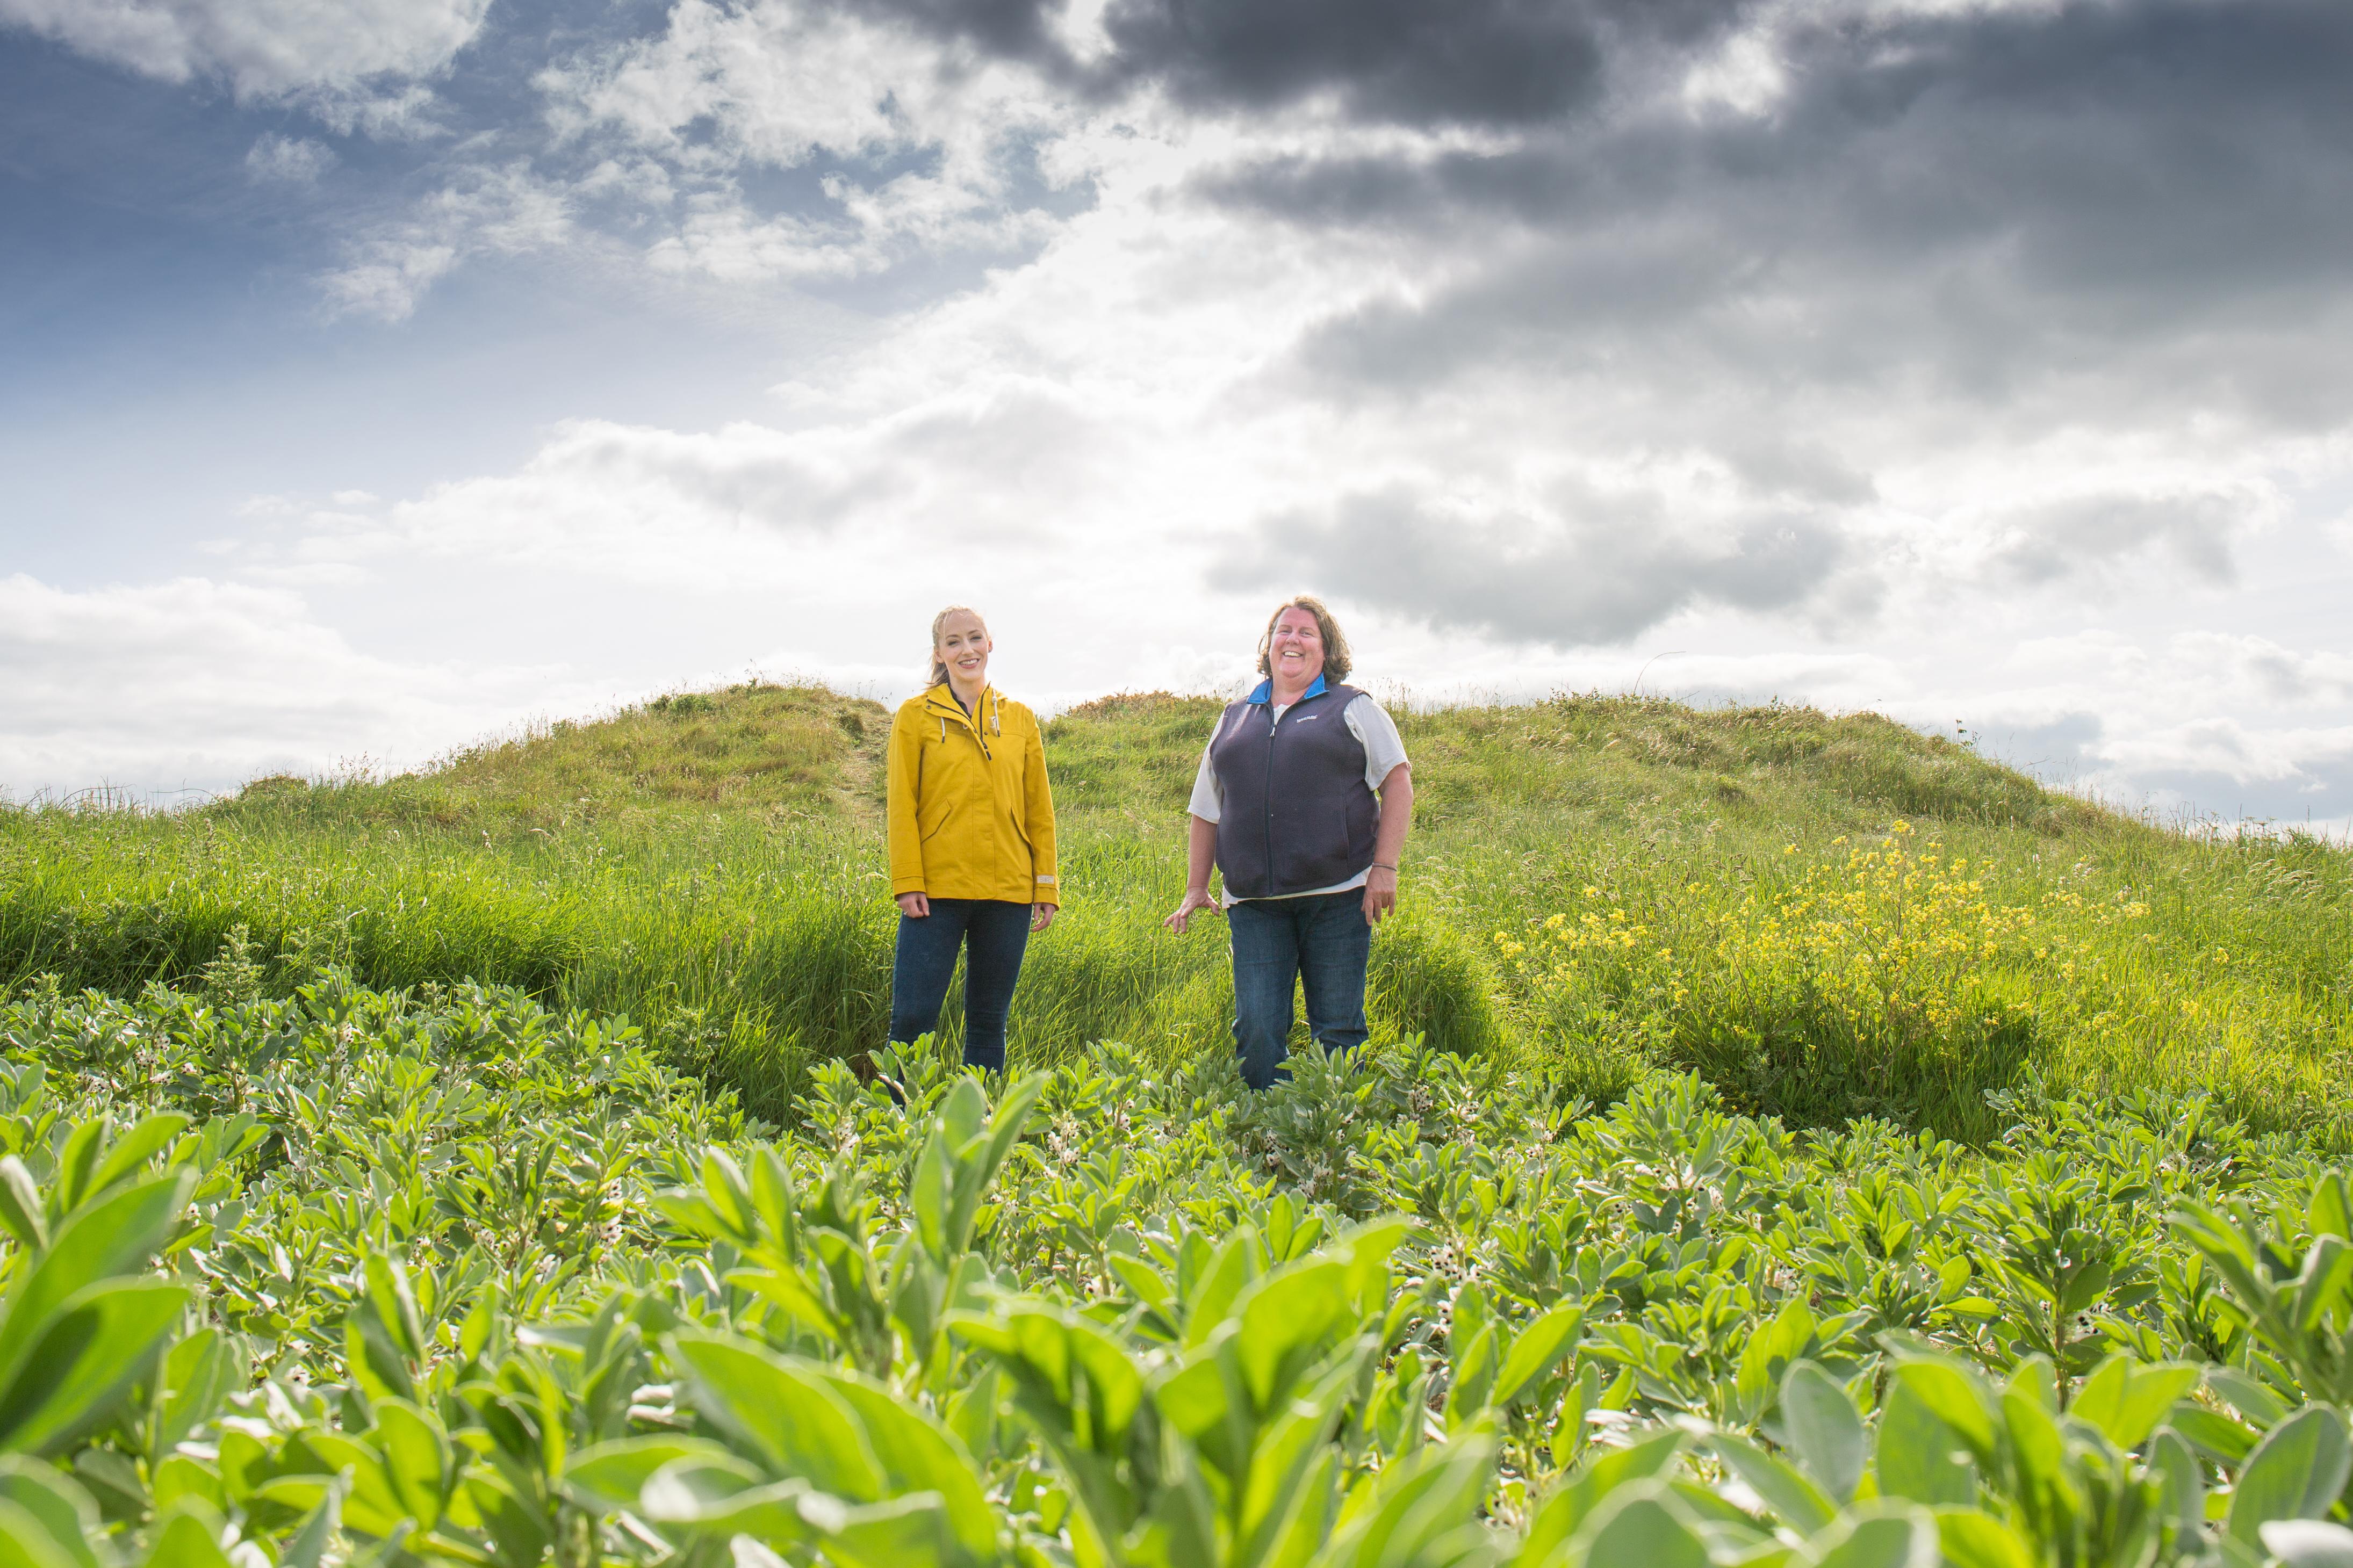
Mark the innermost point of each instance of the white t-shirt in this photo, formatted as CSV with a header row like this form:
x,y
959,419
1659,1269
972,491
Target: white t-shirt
x,y
1384,749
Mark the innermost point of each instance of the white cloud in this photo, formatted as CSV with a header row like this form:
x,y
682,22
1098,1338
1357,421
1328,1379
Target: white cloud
x,y
198,684
724,90
263,48
288,161
499,210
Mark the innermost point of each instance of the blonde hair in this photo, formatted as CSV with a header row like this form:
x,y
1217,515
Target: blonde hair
x,y
1337,663
939,624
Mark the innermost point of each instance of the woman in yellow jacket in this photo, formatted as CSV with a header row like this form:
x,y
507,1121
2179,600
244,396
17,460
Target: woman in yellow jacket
x,y
972,842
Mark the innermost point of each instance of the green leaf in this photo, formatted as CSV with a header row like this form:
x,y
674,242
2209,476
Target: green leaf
x,y
395,1303
1596,1477
371,1506
782,1410
1824,1429
1294,1446
1403,1515
1366,1250
2223,1439
1290,1320
1971,1538
2039,1380
920,1455
728,1496
2331,1212
1535,1353
1766,1359
2182,1485
111,1238
2126,1400
789,1289
185,1538
1643,1523
416,1458
24,1544
1959,1399
318,1531
2320,1287
1796,1500
105,1337
901,1533
60,1508
1918,1456
1473,1377
609,1476
26,1541
1233,1265
977,1168
2046,1496
153,1134
21,1209
1880,1535
196,1378
2248,1395
2295,1473
518,1529
181,1476
931,1189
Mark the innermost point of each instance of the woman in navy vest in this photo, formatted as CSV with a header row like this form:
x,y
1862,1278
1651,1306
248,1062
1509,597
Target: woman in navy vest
x,y
1302,802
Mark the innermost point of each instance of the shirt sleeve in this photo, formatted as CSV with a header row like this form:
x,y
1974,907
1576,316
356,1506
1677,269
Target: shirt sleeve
x,y
1208,801
905,773
1377,734
1039,810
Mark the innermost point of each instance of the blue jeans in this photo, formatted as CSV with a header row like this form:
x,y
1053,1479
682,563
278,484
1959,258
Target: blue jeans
x,y
992,935
1322,942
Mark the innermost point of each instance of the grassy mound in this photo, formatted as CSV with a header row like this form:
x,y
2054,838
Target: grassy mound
x,y
1826,916
755,748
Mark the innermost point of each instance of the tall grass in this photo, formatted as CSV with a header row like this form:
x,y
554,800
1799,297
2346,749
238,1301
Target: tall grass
x,y
615,865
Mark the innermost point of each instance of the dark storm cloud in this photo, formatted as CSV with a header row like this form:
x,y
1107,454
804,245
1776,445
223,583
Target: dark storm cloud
x,y
1478,62
1011,29
2043,180
1608,569
1465,62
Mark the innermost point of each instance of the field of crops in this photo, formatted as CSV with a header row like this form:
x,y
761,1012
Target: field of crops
x,y
357,1277
1786,1140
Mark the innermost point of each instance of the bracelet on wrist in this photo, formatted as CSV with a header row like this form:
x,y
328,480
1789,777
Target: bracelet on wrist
x,y
1383,865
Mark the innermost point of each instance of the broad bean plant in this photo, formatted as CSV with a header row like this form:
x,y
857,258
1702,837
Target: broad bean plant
x,y
393,1280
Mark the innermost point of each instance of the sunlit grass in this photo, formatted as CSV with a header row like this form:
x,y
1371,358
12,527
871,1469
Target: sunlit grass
x,y
1780,932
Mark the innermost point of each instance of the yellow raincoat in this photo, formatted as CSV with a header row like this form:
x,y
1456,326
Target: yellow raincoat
x,y
971,816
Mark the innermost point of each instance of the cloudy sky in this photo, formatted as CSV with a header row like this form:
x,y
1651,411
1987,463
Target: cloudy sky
x,y
376,373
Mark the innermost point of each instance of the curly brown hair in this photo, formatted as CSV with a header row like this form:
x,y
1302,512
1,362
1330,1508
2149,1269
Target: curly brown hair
x,y
1337,663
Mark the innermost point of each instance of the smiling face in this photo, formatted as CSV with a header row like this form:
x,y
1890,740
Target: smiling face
x,y
963,647
1295,648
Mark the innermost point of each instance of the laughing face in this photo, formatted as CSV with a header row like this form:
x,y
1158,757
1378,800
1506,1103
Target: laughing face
x,y
1296,650
963,648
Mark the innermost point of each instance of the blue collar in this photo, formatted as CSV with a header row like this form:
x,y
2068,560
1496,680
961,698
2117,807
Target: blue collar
x,y
1265,691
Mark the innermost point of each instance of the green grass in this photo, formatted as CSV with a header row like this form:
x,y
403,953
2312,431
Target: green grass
x,y
712,865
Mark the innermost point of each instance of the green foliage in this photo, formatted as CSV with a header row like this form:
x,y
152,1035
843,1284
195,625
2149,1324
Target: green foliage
x,y
449,1278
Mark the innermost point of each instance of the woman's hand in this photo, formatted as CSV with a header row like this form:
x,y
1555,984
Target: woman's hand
x,y
914,906
1380,894
1041,916
1194,898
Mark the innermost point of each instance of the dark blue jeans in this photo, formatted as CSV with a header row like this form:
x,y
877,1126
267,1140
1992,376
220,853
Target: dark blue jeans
x,y
992,935
1320,942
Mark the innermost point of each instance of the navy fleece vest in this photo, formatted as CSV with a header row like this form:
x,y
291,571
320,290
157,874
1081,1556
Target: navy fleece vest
x,y
1298,814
